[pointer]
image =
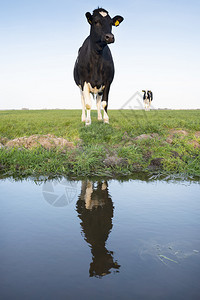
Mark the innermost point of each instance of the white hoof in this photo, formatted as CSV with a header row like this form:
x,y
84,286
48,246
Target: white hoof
x,y
106,121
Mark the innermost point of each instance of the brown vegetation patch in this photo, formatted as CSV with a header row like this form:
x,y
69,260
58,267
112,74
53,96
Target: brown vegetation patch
x,y
174,154
174,132
182,134
146,136
169,140
46,141
3,141
114,160
156,163
195,144
197,134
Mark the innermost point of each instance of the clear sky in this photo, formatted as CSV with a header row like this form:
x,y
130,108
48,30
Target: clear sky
x,y
157,47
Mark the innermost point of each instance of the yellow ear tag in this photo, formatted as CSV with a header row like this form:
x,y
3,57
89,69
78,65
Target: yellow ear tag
x,y
89,21
116,23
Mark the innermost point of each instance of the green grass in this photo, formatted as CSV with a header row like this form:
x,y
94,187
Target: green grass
x,y
61,123
102,149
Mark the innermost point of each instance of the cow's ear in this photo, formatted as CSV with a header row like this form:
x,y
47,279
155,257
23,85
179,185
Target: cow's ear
x,y
117,20
89,17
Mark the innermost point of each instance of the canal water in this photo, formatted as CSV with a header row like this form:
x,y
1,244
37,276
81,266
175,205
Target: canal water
x,y
64,239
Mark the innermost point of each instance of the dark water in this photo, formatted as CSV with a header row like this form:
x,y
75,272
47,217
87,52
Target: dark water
x,y
102,240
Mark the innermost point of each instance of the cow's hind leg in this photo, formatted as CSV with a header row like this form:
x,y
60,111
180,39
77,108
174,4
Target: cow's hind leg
x,y
149,104
105,103
105,115
99,107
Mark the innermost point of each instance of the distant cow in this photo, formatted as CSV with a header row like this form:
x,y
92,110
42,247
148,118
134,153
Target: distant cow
x,y
94,67
147,97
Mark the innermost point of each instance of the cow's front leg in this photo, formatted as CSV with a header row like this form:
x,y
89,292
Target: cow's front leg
x,y
99,107
88,195
145,105
83,107
105,104
88,103
147,109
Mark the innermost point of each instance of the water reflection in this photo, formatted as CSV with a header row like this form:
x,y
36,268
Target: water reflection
x,y
95,209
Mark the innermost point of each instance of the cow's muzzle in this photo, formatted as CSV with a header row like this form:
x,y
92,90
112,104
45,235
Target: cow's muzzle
x,y
109,38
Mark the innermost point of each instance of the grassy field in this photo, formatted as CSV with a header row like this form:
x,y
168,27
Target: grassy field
x,y
158,142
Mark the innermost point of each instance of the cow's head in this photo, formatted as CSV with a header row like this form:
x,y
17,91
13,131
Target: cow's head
x,y
101,26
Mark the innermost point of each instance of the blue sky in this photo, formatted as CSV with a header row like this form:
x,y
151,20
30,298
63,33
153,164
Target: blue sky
x,y
156,47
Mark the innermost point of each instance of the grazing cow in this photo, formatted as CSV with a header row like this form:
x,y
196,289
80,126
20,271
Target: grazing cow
x,y
94,67
148,97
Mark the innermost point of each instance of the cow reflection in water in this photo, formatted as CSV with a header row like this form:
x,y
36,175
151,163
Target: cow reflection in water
x,y
95,209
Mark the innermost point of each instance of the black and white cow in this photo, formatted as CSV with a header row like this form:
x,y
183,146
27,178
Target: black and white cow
x,y
147,97
94,67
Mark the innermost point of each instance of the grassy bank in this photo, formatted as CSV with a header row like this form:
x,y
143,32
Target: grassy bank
x,y
165,142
